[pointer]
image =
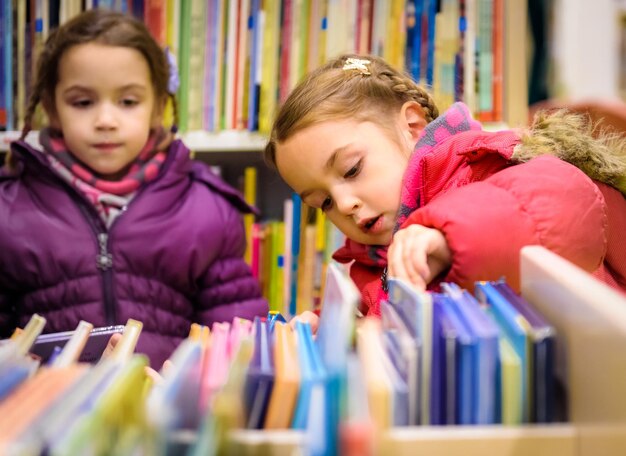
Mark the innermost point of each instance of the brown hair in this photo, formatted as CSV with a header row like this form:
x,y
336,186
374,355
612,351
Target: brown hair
x,y
105,27
330,92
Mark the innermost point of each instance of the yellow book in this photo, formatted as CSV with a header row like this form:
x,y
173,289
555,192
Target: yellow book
x,y
198,25
249,194
306,270
286,381
269,72
511,381
378,383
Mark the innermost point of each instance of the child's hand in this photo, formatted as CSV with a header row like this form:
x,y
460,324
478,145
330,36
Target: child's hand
x,y
153,374
418,254
306,317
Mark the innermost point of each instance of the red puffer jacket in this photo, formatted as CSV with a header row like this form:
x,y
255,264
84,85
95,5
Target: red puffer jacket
x,y
488,208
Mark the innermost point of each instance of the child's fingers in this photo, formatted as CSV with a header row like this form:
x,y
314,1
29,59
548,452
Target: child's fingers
x,y
167,365
153,375
306,317
113,340
415,263
407,258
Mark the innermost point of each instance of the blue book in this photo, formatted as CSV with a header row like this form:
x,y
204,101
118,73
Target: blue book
x,y
260,376
437,372
542,337
7,64
396,369
295,251
255,32
430,12
462,344
485,369
451,344
334,339
312,374
404,352
514,327
416,310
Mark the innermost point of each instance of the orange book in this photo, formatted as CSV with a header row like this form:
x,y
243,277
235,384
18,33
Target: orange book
x,y
154,17
286,381
32,398
498,46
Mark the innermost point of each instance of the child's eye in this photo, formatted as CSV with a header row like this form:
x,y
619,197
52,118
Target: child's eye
x,y
82,103
353,171
128,102
326,204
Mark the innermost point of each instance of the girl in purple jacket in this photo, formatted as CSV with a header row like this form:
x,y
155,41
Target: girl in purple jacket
x,y
108,218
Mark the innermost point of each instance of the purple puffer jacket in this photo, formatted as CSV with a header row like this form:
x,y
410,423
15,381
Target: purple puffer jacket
x,y
174,256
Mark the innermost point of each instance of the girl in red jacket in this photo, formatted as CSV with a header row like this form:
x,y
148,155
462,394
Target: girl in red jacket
x,y
432,198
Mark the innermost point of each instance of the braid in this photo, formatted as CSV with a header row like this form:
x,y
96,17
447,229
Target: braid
x,y
407,88
34,100
351,86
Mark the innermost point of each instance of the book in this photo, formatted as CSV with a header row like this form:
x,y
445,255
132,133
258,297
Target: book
x,y
485,354
286,379
542,337
312,373
416,310
514,327
409,350
460,352
259,380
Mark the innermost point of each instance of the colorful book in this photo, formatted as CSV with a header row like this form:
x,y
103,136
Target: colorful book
x,y
416,310
313,375
408,348
286,379
485,355
260,376
515,328
542,336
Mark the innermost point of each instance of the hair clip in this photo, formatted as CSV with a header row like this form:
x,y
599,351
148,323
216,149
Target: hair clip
x,y
357,64
173,81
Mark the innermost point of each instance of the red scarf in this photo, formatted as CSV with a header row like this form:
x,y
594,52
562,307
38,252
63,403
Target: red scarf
x,y
108,197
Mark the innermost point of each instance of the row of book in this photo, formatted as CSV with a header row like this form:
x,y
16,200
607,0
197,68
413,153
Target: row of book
x,y
448,358
239,59
289,256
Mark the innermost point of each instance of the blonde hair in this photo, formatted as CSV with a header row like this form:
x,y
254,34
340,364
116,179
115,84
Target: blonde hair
x,y
574,138
332,93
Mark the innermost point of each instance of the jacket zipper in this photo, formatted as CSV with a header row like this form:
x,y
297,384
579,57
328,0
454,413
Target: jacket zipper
x,y
104,261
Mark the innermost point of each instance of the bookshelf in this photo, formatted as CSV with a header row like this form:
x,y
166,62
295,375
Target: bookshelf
x,y
225,114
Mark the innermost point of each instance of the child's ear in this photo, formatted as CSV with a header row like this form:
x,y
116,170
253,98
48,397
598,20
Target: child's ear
x,y
413,121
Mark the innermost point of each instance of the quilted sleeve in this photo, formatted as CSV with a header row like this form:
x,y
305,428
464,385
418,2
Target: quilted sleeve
x,y
544,201
228,288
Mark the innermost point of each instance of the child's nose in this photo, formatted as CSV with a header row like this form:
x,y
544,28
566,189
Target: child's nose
x,y
348,204
105,118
